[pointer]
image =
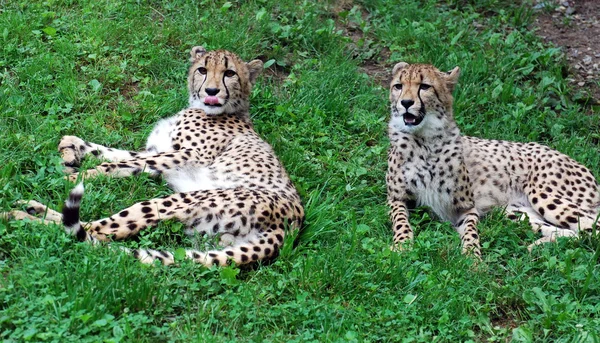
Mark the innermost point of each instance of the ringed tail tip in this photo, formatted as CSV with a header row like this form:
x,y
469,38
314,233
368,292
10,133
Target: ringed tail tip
x,y
71,213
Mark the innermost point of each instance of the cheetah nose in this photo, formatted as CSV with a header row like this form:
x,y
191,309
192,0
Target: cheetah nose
x,y
407,103
212,91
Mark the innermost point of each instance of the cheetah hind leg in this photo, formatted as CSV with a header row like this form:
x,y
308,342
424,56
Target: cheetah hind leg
x,y
263,241
44,214
518,212
242,251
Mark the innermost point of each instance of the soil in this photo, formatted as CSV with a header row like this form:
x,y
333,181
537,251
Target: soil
x,y
574,26
374,67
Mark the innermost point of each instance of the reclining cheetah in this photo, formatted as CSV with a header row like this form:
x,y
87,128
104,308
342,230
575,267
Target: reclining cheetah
x,y
227,180
461,178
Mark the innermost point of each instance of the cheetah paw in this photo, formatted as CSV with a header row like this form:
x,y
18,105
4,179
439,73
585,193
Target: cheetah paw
x,y
543,240
72,177
69,170
400,247
33,207
70,150
87,174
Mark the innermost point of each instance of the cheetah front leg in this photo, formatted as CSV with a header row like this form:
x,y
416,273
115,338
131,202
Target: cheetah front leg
x,y
397,201
466,214
73,149
466,226
398,196
403,232
153,164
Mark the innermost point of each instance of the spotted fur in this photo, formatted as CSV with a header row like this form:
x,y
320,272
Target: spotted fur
x,y
227,180
462,178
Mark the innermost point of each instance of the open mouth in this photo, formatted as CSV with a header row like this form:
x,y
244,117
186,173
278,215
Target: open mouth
x,y
412,120
212,101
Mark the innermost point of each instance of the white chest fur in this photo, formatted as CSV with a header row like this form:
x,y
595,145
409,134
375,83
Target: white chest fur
x,y
423,180
160,139
193,175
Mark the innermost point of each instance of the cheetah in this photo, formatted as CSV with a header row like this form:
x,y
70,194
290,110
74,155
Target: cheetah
x,y
227,181
462,178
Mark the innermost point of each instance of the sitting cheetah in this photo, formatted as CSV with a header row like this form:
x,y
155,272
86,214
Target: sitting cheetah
x,y
462,178
227,180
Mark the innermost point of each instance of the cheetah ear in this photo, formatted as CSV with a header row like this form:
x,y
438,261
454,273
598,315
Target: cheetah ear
x,y
255,67
452,78
196,53
399,66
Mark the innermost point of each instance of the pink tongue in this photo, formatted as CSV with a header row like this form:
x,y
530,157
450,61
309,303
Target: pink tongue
x,y
211,100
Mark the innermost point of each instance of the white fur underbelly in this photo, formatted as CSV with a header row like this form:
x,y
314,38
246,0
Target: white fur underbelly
x,y
160,139
188,179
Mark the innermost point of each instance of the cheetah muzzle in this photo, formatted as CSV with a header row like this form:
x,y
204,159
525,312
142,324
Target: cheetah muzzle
x,y
411,119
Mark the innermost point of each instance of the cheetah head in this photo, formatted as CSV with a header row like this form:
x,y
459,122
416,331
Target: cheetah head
x,y
421,97
220,82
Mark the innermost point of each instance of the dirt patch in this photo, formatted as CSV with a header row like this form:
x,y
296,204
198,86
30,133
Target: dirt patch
x,y
130,89
574,26
380,72
504,321
349,17
275,72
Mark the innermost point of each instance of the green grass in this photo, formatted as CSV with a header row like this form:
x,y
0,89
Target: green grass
x,y
107,70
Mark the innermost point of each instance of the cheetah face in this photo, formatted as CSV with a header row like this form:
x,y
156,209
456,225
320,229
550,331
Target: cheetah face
x,y
421,97
220,82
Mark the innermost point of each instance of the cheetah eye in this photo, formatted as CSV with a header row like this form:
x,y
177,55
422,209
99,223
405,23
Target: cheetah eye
x,y
202,70
424,86
398,86
229,73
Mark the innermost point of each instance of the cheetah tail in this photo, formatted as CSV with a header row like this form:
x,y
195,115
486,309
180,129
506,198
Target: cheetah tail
x,y
71,214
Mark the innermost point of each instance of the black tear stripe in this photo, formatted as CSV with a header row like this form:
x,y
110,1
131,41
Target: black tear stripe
x,y
422,109
201,85
225,85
